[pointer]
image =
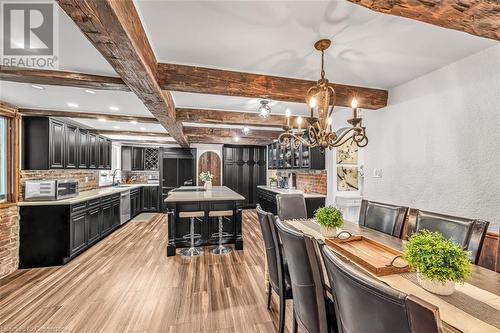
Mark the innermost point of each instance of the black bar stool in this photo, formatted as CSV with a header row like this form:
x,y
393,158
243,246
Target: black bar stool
x,y
221,214
192,251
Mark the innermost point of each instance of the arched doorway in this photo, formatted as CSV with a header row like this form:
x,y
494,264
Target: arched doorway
x,y
210,161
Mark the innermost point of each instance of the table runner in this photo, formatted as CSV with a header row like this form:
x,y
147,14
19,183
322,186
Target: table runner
x,y
469,309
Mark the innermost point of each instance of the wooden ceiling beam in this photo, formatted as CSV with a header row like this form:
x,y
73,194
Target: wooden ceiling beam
x,y
131,133
87,115
115,29
208,116
60,78
214,139
262,135
476,17
222,82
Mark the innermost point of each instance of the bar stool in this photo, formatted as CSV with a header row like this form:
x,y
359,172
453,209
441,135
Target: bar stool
x,y
221,249
192,251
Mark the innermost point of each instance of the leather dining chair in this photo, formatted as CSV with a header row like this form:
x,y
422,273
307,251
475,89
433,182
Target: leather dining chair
x,y
311,308
382,217
291,206
279,279
364,304
468,233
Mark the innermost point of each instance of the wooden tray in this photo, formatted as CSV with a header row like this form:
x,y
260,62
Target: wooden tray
x,y
369,254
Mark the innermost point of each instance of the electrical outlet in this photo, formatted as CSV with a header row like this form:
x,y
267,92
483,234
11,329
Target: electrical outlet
x,y
377,173
86,179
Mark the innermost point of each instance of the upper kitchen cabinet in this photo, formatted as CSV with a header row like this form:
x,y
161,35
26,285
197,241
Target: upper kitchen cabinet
x,y
52,144
140,158
303,157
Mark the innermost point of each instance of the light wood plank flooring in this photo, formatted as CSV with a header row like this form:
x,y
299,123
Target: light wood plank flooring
x,y
126,283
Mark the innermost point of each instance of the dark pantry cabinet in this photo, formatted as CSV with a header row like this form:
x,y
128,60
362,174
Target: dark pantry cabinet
x,y
52,144
244,167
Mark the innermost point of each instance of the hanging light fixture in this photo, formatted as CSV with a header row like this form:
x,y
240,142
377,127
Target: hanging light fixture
x,y
264,109
320,100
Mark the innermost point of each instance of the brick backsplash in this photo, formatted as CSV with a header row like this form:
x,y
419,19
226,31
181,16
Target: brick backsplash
x,y
9,240
91,175
308,180
141,177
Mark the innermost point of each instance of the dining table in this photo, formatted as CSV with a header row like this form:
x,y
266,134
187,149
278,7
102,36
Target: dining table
x,y
473,307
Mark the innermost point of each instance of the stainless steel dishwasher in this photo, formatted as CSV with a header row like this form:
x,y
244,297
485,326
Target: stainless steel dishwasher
x,y
124,207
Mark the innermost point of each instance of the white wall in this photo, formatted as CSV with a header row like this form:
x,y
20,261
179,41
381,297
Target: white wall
x,y
438,141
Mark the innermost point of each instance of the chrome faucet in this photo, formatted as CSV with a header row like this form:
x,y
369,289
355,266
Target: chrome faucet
x,y
114,176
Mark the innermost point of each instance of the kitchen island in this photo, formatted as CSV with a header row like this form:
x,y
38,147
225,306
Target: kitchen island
x,y
195,198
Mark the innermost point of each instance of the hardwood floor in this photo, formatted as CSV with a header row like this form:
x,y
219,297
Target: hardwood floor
x,y
126,283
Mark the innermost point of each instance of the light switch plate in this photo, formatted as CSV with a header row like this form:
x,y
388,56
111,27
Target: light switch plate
x,y
377,173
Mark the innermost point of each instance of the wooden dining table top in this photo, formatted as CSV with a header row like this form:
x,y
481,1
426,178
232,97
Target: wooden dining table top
x,y
481,278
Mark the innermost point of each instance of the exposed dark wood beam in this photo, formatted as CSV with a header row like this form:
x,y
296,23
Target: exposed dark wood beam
x,y
230,117
151,141
476,17
222,82
214,139
60,78
115,29
87,115
262,135
131,133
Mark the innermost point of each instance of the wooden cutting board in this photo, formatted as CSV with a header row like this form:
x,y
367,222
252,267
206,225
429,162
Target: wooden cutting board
x,y
369,254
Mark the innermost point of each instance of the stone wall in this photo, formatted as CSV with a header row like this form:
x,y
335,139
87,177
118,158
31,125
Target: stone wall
x,y
139,177
9,240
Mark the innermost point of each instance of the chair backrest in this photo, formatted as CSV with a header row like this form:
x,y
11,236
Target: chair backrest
x,y
291,206
364,304
498,255
383,217
306,279
273,253
468,233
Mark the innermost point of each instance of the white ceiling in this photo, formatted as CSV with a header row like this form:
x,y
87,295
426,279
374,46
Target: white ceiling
x,y
276,37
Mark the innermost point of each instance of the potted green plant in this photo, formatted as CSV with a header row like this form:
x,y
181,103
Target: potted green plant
x,y
273,181
439,262
329,219
206,177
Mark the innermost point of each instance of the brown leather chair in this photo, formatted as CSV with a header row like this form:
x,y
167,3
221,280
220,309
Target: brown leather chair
x,y
468,233
279,278
291,206
363,304
312,309
382,217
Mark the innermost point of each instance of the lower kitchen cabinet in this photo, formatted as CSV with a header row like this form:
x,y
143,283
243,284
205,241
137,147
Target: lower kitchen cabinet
x,y
267,200
94,224
107,218
135,202
78,237
150,197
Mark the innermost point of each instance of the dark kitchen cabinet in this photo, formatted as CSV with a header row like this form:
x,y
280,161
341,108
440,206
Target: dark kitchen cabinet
x,y
78,234
244,167
71,147
135,202
82,149
48,143
267,200
115,207
150,198
94,221
137,158
56,144
303,157
107,218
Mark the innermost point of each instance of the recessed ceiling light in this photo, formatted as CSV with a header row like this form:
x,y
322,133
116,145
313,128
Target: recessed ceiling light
x,y
143,128
102,120
116,127
36,86
246,130
73,105
114,108
236,138
88,91
133,122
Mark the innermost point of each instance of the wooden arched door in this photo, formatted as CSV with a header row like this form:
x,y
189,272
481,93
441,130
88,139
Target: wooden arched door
x,y
210,161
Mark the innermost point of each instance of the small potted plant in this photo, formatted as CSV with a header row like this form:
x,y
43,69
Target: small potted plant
x,y
273,181
206,177
439,262
329,219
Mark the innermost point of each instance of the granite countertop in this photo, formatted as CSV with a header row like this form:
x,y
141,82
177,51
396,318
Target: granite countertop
x,y
218,193
86,195
287,191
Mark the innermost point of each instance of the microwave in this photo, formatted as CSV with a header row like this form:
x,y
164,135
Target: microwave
x,y
48,190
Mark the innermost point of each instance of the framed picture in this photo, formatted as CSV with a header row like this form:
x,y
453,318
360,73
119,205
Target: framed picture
x,y
347,178
347,153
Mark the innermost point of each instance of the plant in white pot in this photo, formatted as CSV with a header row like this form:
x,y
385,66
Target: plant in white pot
x,y
206,177
329,219
439,262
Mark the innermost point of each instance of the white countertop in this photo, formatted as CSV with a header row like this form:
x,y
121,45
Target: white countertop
x,y
86,195
217,193
288,191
